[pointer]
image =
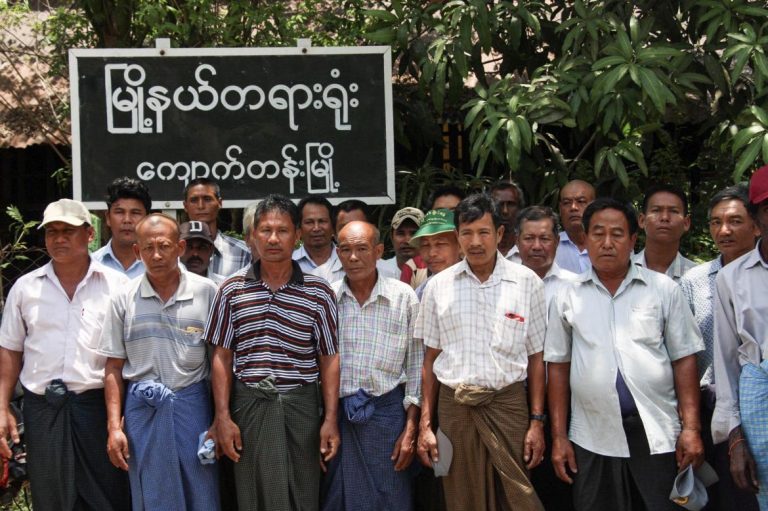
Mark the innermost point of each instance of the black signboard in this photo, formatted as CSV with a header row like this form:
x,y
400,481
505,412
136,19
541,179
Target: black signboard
x,y
296,121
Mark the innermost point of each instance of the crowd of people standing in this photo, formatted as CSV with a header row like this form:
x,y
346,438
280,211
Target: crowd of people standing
x,y
506,357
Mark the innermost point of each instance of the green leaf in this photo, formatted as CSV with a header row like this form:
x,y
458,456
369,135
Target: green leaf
x,y
765,148
526,134
652,86
747,158
607,61
379,14
383,35
761,63
624,45
760,114
470,118
634,29
745,136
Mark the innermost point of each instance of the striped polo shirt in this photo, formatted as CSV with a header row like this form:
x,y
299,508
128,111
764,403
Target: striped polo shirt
x,y
274,334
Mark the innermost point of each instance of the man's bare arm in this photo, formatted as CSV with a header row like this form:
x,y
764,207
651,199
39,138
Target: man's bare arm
x,y
10,367
329,431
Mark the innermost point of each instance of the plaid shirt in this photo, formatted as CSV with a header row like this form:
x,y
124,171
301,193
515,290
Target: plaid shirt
x,y
376,342
229,256
486,330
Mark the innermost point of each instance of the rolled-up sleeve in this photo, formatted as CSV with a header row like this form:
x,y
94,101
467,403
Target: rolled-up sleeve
x,y
112,342
14,329
414,357
534,342
427,327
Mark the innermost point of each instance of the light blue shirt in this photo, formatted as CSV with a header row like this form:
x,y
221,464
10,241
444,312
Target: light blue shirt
x,y
569,257
698,285
107,257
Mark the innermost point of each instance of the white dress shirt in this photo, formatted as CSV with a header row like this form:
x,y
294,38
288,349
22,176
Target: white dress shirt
x,y
514,255
741,333
676,270
569,257
58,336
640,331
376,344
486,330
554,281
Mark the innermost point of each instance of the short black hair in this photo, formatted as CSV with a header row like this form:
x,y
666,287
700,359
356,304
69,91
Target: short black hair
x,y
536,213
509,184
317,200
352,205
602,203
739,192
474,208
669,188
128,188
442,191
204,181
276,202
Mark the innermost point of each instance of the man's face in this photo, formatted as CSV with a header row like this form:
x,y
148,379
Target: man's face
x,y
197,256
664,219
122,218
357,251
316,228
732,229
574,199
159,248
275,236
446,202
478,240
609,243
508,203
67,244
401,240
439,251
344,217
201,203
538,244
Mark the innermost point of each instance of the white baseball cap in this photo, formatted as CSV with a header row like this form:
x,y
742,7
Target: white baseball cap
x,y
69,211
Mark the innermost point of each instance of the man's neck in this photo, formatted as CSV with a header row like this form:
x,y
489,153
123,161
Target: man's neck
x,y
506,244
362,289
165,285
319,255
276,274
660,256
213,228
612,281
577,237
542,272
484,272
123,253
764,249
70,275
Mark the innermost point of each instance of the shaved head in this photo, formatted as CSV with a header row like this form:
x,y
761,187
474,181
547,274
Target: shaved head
x,y
365,230
156,219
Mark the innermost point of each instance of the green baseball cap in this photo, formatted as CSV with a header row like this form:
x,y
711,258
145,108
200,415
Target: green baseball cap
x,y
436,221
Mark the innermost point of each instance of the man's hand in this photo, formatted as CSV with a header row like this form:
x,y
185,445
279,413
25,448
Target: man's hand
x,y
563,458
329,441
689,449
8,431
226,437
405,447
533,452
427,446
743,467
117,448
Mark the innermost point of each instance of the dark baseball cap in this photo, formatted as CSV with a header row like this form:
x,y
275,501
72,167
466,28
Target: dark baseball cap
x,y
195,229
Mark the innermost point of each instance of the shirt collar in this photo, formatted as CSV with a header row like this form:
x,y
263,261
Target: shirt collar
x,y
380,289
254,272
499,270
633,273
754,257
108,252
183,292
93,267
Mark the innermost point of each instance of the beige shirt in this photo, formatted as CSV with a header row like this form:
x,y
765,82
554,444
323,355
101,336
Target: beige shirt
x,y
486,330
58,336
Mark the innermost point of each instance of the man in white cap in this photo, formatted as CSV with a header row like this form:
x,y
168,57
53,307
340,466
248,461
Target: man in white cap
x,y
52,321
405,223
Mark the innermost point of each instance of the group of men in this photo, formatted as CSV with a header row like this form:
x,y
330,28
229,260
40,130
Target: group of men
x,y
531,368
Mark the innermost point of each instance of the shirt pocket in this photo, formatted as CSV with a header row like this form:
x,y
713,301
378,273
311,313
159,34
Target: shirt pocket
x,y
391,346
645,325
93,323
510,340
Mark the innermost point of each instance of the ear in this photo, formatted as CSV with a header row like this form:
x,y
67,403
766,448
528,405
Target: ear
x,y
136,251
687,223
500,232
91,234
379,250
641,221
634,241
182,244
